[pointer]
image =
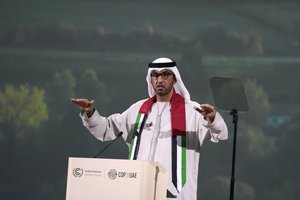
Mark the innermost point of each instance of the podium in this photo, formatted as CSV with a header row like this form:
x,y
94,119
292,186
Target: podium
x,y
115,179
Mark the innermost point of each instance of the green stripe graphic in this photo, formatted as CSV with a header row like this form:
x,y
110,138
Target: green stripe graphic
x,y
183,160
134,133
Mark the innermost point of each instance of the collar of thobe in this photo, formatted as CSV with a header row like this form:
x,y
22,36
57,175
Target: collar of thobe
x,y
178,125
177,112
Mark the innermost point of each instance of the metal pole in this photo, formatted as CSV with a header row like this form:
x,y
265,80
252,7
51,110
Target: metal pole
x,y
235,119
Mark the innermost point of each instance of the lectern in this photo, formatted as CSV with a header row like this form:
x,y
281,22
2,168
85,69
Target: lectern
x,y
115,179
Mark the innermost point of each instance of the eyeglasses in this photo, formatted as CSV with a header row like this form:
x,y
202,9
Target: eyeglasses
x,y
165,75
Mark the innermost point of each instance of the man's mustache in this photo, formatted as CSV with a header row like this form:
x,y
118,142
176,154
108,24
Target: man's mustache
x,y
160,85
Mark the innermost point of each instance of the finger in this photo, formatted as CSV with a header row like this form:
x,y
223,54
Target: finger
x,y
90,103
79,102
207,107
198,108
83,102
76,101
72,100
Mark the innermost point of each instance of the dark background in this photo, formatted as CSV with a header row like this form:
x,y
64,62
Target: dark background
x,y
53,50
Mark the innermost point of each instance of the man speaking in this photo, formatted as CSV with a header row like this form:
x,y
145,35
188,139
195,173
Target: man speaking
x,y
167,127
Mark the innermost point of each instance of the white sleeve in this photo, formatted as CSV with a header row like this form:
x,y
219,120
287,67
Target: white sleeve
x,y
105,128
217,129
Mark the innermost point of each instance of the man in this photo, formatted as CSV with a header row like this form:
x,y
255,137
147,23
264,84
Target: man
x,y
167,128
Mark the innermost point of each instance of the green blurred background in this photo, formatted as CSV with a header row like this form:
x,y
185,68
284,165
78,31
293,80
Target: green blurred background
x,y
53,50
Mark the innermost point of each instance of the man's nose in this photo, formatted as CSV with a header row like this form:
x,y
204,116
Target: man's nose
x,y
160,78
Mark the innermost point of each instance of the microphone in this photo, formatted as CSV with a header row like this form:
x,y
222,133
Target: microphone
x,y
119,135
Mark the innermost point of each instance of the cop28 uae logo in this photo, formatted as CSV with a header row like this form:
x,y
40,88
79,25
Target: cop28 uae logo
x,y
112,174
77,172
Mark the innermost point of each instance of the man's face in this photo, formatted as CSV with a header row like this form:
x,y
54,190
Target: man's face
x,y
162,81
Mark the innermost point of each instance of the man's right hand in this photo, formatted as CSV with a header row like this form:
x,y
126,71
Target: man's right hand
x,y
84,104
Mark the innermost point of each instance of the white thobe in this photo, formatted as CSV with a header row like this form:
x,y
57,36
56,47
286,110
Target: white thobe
x,y
155,144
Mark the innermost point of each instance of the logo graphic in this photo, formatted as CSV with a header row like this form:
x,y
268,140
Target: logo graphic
x,y
77,172
112,174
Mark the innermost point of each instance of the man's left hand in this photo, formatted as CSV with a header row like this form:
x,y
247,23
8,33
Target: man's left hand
x,y
207,110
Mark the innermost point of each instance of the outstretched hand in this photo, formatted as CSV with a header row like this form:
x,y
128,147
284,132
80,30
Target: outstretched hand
x,y
207,110
84,104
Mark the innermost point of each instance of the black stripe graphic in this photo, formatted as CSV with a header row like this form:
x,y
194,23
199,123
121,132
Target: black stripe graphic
x,y
138,141
174,160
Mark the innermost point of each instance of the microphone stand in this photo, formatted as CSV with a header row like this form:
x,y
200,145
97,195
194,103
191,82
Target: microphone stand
x,y
119,135
235,119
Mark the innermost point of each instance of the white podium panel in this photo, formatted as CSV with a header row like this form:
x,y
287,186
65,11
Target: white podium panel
x,y
115,179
